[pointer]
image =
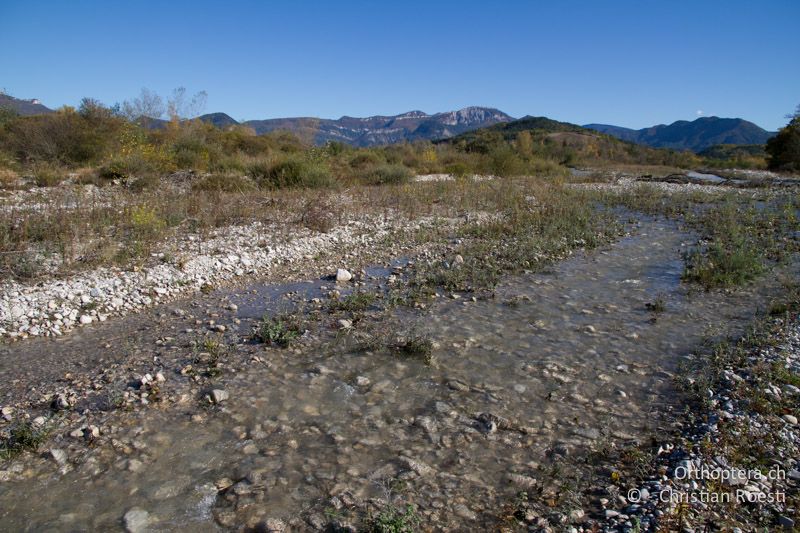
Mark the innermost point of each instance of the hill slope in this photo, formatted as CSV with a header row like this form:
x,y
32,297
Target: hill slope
x,y
23,107
566,143
696,135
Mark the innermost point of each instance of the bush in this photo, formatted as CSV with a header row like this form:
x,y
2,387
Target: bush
x,y
224,183
293,172
388,175
504,162
457,170
47,175
145,223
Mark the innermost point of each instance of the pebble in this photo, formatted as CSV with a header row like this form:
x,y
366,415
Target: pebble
x,y
136,520
343,275
218,396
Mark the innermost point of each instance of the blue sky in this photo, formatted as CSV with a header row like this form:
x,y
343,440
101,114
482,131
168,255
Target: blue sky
x,y
629,63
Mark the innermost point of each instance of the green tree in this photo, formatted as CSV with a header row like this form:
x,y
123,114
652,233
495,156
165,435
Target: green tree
x,y
784,148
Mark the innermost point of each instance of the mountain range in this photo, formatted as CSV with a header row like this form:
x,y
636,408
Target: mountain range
x,y
371,131
697,135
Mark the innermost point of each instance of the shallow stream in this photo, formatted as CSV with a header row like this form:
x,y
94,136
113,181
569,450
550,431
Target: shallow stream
x,y
557,362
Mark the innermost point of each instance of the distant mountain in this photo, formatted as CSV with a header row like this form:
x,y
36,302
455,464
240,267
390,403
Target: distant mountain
x,y
562,142
220,120
696,135
23,107
371,131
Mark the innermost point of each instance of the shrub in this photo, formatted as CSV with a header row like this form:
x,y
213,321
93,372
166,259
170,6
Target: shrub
x,y
388,175
362,160
293,172
224,183
8,178
47,175
457,170
504,161
145,223
321,214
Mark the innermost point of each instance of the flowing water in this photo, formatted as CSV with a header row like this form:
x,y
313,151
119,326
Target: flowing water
x,y
558,361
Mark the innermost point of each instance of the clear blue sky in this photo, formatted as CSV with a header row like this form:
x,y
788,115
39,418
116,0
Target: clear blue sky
x,y
630,63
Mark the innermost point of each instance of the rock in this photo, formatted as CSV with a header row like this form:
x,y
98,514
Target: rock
x,y
576,516
786,522
135,465
526,482
464,512
790,419
136,520
343,275
273,525
420,468
345,324
458,385
85,319
218,396
362,381
458,259
59,456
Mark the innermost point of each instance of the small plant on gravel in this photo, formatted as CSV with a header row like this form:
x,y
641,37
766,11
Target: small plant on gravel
x,y
354,302
724,265
19,437
394,520
209,352
279,330
416,345
658,305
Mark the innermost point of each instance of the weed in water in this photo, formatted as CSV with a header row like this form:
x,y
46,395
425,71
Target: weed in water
x,y
355,302
209,352
658,305
418,346
21,436
279,330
